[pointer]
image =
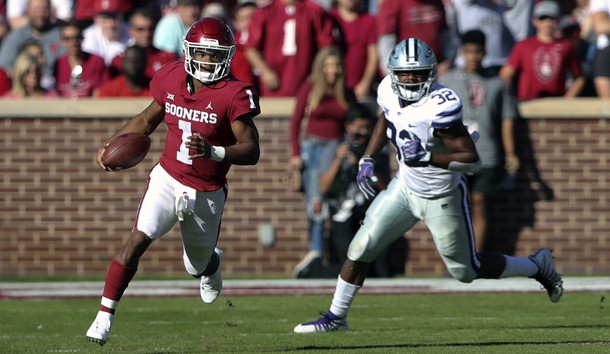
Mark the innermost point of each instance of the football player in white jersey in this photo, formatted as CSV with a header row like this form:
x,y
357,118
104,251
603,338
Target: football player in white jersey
x,y
423,120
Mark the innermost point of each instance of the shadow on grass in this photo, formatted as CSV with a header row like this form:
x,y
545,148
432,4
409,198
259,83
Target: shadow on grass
x,y
441,345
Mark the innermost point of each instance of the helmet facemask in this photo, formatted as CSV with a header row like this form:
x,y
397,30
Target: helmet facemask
x,y
218,64
412,91
415,56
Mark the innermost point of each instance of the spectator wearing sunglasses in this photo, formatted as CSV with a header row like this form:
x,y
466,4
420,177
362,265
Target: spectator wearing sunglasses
x,y
77,73
141,30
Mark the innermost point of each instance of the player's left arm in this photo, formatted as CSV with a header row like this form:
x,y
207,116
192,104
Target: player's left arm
x,y
246,150
461,155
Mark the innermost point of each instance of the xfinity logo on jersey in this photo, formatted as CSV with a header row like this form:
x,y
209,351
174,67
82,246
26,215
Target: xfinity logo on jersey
x,y
190,114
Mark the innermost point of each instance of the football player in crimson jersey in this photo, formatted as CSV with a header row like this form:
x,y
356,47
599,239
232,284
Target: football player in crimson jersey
x,y
209,115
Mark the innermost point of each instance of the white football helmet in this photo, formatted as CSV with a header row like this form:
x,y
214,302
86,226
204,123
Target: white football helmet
x,y
213,37
412,54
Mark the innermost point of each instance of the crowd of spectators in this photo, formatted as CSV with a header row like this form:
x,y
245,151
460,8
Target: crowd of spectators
x,y
278,39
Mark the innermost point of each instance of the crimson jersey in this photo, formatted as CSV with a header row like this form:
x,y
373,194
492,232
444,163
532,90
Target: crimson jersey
x,y
155,59
543,67
414,18
326,121
357,36
118,87
95,74
209,112
288,37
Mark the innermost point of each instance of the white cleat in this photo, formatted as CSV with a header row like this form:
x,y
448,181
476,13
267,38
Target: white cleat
x,y
212,285
547,275
100,328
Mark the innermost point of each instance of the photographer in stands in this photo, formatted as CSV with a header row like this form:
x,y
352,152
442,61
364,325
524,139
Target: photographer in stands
x,y
346,203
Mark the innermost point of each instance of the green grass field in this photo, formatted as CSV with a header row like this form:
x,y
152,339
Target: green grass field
x,y
455,323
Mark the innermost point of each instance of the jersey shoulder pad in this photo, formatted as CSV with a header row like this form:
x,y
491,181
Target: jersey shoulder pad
x,y
447,107
384,92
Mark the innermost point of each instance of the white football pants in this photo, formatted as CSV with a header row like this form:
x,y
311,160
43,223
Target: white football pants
x,y
396,210
167,201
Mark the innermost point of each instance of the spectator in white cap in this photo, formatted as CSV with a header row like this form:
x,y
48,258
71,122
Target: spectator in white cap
x,y
108,36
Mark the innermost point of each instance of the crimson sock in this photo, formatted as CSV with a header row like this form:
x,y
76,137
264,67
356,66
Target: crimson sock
x,y
117,280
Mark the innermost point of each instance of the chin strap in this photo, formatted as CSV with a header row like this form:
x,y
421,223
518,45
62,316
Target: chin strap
x,y
190,86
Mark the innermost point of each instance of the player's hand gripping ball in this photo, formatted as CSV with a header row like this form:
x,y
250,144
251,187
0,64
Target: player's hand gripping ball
x,y
125,151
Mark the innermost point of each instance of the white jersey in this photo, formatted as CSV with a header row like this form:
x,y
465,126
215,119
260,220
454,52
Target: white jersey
x,y
439,109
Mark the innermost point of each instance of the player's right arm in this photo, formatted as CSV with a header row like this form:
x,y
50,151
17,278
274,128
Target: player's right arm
x,y
462,153
379,138
144,122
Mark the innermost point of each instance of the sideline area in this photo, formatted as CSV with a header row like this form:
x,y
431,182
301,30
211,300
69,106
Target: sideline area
x,y
177,288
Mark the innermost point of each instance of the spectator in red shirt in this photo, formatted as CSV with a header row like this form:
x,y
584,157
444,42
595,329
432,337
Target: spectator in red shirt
x,y
359,39
84,10
77,73
5,82
133,82
283,39
542,61
141,29
322,101
423,19
240,67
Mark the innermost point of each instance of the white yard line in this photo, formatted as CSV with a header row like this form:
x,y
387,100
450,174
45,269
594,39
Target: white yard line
x,y
294,287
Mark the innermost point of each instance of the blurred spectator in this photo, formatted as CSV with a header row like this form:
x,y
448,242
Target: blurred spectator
x,y
108,36
322,102
490,110
16,11
569,28
84,10
487,16
170,30
326,4
141,30
5,82
240,67
26,79
215,9
4,28
283,39
346,203
38,29
78,73
542,62
359,38
600,12
518,18
133,82
400,19
36,50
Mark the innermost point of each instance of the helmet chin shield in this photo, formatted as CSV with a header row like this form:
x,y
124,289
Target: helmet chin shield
x,y
217,65
411,55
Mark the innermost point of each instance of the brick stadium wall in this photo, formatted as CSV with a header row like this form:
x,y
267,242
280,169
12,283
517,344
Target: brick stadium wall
x,y
61,215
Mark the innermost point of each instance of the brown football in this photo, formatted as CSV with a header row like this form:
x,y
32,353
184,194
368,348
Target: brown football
x,y
125,151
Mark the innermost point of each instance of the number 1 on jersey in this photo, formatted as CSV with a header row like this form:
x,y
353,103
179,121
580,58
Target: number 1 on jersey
x,y
182,155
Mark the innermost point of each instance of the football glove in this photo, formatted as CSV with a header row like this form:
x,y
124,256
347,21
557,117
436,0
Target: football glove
x,y
366,176
413,152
